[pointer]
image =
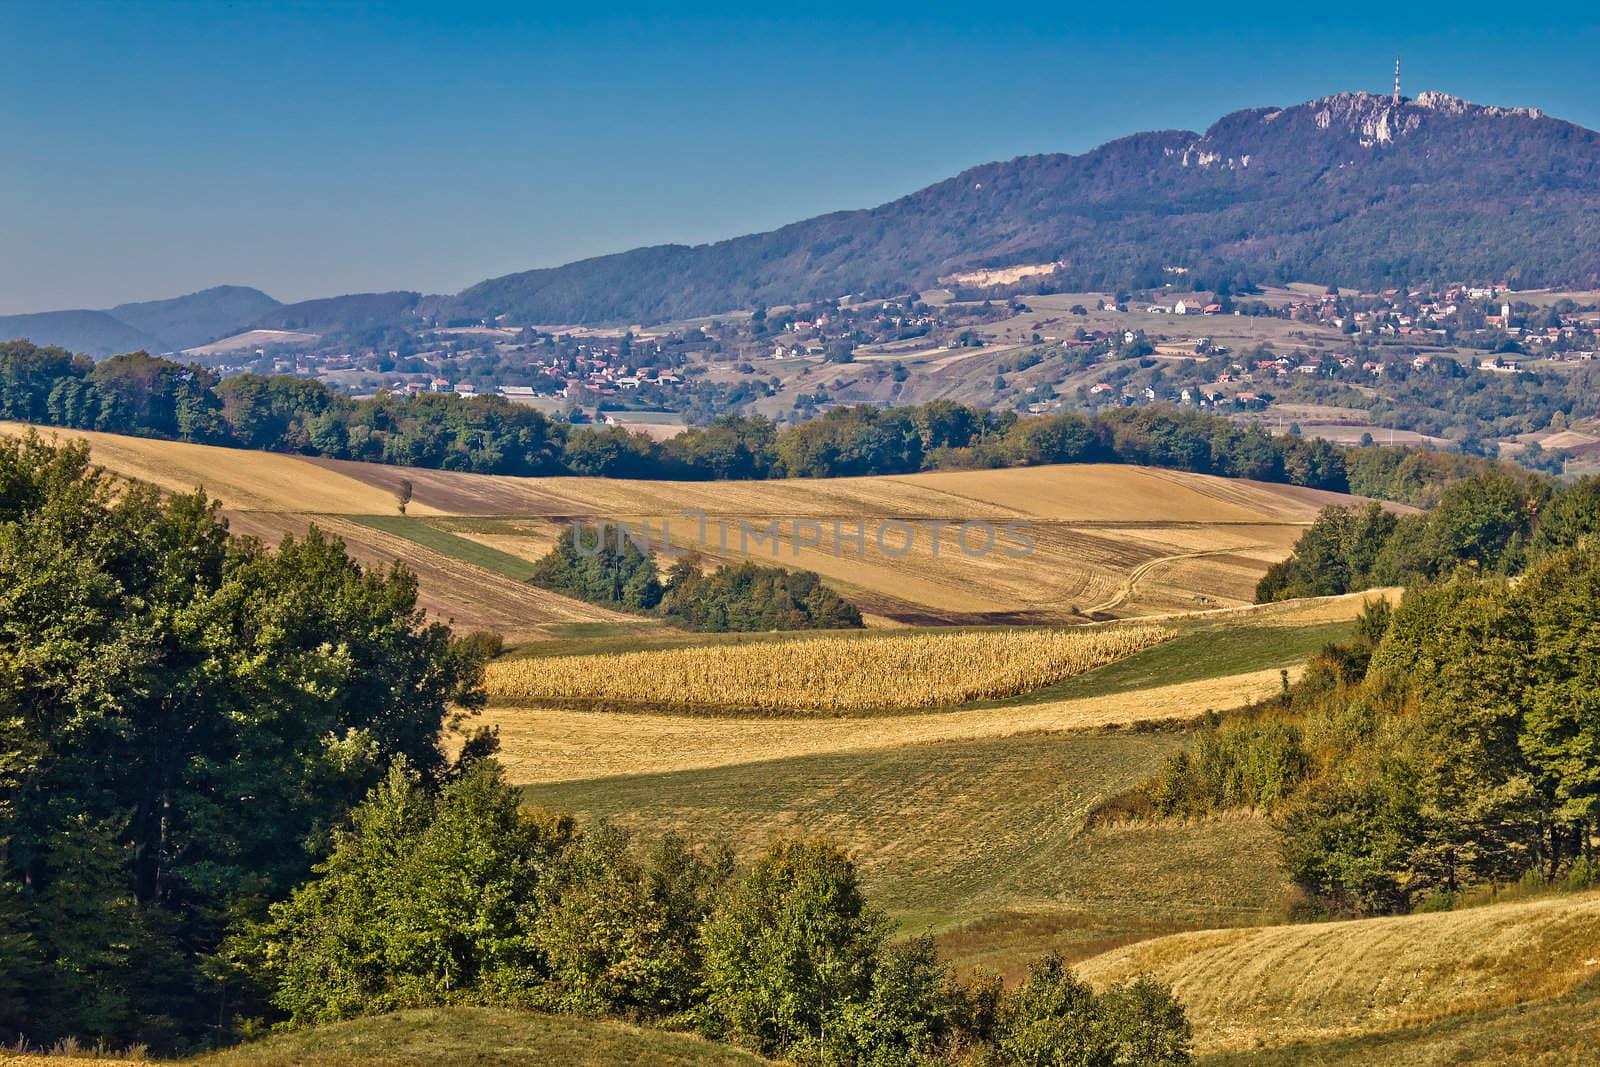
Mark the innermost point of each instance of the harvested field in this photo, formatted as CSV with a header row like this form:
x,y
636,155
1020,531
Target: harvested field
x,y
1078,493
826,674
1107,539
450,590
243,480
1282,983
948,833
555,744
1217,664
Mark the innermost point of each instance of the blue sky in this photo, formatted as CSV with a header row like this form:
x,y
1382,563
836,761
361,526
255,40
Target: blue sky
x,y
152,148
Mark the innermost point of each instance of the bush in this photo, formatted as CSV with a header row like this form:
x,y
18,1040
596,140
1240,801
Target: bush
x,y
620,929
426,900
1055,1020
790,949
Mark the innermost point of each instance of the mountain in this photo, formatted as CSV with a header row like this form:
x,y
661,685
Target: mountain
x,y
154,325
1353,189
199,318
96,333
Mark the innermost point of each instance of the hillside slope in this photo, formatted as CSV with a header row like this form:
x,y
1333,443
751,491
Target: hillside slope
x,y
1277,984
1351,189
485,1037
1111,540
95,333
197,318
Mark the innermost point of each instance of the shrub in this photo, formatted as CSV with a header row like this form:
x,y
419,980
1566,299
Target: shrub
x,y
791,948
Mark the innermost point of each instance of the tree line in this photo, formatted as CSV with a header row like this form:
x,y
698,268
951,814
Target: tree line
x,y
610,569
145,396
1493,523
224,808
1449,745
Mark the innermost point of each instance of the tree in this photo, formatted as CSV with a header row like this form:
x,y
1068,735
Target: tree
x,y
423,901
791,947
1054,1019
402,494
187,717
1561,734
620,927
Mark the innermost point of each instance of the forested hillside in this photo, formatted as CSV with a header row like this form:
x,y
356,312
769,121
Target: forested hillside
x,y
157,325
1451,747
1349,190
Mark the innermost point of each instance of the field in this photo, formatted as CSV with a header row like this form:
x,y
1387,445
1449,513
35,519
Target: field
x,y
1109,540
821,674
956,759
1112,539
1215,662
1562,1032
970,823
1278,984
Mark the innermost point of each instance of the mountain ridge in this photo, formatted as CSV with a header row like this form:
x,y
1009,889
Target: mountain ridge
x,y
1356,189
1338,174
168,325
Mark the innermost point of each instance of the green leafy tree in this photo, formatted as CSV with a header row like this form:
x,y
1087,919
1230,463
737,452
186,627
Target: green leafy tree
x,y
426,900
204,710
620,930
791,947
1054,1019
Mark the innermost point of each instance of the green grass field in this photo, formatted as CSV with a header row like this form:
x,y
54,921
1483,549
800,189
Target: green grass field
x,y
1202,649
448,544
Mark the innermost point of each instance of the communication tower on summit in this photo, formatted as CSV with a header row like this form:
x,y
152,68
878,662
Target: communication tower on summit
x,y
1397,79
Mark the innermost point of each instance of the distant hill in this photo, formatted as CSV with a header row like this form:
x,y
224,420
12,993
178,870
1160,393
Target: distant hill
x,y
1352,189
96,333
199,318
154,325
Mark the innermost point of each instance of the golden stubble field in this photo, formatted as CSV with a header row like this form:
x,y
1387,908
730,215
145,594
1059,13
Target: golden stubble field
x,y
1270,985
559,744
1107,539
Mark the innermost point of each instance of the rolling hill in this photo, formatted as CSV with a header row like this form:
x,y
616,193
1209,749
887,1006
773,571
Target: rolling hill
x,y
154,325
1276,984
96,333
1110,540
187,321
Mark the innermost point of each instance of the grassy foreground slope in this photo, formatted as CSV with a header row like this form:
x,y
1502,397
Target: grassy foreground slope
x,y
983,841
485,1037
1278,984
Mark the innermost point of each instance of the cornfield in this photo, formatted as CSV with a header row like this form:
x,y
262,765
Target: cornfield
x,y
825,674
